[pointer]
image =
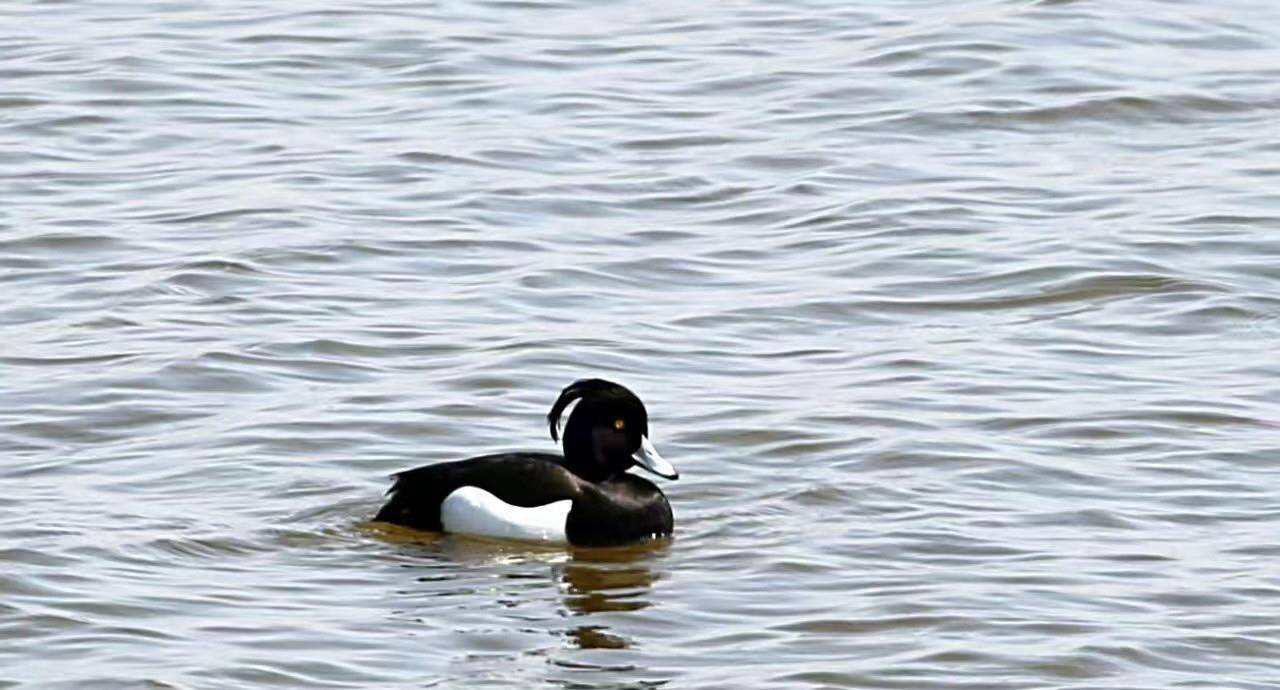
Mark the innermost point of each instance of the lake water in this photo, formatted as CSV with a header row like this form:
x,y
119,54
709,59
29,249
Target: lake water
x,y
960,320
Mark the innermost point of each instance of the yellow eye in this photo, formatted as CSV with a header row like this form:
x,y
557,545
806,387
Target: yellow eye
x,y
619,424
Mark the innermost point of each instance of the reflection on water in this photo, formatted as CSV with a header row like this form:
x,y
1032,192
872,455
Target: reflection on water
x,y
588,580
609,579
615,579
596,637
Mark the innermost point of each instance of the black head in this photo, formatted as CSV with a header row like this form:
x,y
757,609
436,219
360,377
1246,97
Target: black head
x,y
607,433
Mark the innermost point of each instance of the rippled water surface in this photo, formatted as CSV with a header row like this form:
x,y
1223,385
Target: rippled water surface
x,y
959,318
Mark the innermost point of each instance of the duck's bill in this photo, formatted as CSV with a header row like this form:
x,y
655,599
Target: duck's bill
x,y
648,458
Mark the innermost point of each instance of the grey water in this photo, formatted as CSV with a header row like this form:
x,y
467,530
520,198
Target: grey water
x,y
960,320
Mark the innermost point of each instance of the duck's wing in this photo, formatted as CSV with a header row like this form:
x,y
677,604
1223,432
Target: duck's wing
x,y
524,480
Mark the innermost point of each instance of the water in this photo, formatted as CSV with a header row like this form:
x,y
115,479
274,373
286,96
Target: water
x,y
959,319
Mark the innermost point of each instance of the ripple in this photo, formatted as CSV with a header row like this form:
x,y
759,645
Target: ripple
x,y
958,321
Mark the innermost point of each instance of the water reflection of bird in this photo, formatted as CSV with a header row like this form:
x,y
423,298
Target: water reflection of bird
x,y
605,580
591,581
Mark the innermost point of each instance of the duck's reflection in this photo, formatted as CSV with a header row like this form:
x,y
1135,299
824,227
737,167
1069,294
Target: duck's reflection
x,y
596,637
614,579
591,581
603,580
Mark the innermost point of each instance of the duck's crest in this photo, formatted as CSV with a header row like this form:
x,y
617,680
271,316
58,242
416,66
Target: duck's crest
x,y
574,391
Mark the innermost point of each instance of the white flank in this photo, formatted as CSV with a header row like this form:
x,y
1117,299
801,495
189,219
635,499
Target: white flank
x,y
472,510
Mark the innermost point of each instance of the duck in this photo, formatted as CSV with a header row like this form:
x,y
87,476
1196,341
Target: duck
x,y
585,497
